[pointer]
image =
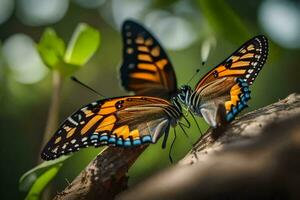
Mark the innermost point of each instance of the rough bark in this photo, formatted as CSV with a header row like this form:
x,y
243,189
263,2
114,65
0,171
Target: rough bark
x,y
256,156
104,177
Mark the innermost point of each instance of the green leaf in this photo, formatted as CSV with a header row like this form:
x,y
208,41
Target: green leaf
x,y
83,44
51,48
41,182
41,174
223,20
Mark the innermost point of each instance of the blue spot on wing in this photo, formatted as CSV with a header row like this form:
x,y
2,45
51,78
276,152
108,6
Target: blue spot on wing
x,y
120,142
146,139
112,140
127,143
94,137
242,103
136,142
103,138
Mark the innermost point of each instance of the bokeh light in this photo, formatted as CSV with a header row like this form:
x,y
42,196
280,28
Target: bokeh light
x,y
124,9
23,59
281,20
41,12
90,3
6,9
174,32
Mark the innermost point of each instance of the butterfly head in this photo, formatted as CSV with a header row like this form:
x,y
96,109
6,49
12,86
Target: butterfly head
x,y
183,93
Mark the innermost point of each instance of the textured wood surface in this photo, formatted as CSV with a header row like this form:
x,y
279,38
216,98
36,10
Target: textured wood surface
x,y
257,156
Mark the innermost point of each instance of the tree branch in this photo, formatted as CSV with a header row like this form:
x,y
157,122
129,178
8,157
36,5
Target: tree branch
x,y
104,177
255,157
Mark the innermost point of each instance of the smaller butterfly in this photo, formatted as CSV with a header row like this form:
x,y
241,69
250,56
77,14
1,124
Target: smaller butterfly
x,y
227,84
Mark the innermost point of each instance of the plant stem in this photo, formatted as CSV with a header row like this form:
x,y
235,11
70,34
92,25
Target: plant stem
x,y
52,120
53,113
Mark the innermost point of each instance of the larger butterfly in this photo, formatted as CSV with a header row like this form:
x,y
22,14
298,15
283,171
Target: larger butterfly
x,y
146,69
122,121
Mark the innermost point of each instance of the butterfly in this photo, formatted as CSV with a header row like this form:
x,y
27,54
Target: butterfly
x,y
130,121
146,69
226,86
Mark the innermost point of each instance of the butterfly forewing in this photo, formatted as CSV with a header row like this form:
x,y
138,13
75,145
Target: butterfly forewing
x,y
146,69
121,121
245,63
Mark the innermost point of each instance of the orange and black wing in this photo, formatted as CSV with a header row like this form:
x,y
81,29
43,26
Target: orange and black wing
x,y
245,63
228,83
121,121
228,92
146,68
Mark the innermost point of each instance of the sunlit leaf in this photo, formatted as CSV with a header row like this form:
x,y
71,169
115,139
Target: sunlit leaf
x,y
41,182
83,45
51,48
28,179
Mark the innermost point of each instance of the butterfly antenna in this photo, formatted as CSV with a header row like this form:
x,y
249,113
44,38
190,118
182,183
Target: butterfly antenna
x,y
86,86
194,150
171,147
187,121
197,71
190,141
196,122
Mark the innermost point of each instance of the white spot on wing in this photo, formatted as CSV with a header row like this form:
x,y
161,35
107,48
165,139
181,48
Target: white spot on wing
x,y
72,121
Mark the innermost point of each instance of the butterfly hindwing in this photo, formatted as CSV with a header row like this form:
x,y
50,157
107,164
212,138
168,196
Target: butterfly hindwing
x,y
228,83
245,63
121,121
146,68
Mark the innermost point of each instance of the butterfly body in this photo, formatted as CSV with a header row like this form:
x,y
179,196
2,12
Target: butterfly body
x,y
205,102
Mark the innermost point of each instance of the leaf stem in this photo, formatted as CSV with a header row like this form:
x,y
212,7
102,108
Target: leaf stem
x,y
53,114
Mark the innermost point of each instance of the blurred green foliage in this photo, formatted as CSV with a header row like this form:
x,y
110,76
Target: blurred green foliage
x,y
223,21
35,180
51,48
41,182
24,107
28,179
83,44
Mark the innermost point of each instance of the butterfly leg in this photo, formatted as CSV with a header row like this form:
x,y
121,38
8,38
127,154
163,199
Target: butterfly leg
x,y
171,147
194,150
